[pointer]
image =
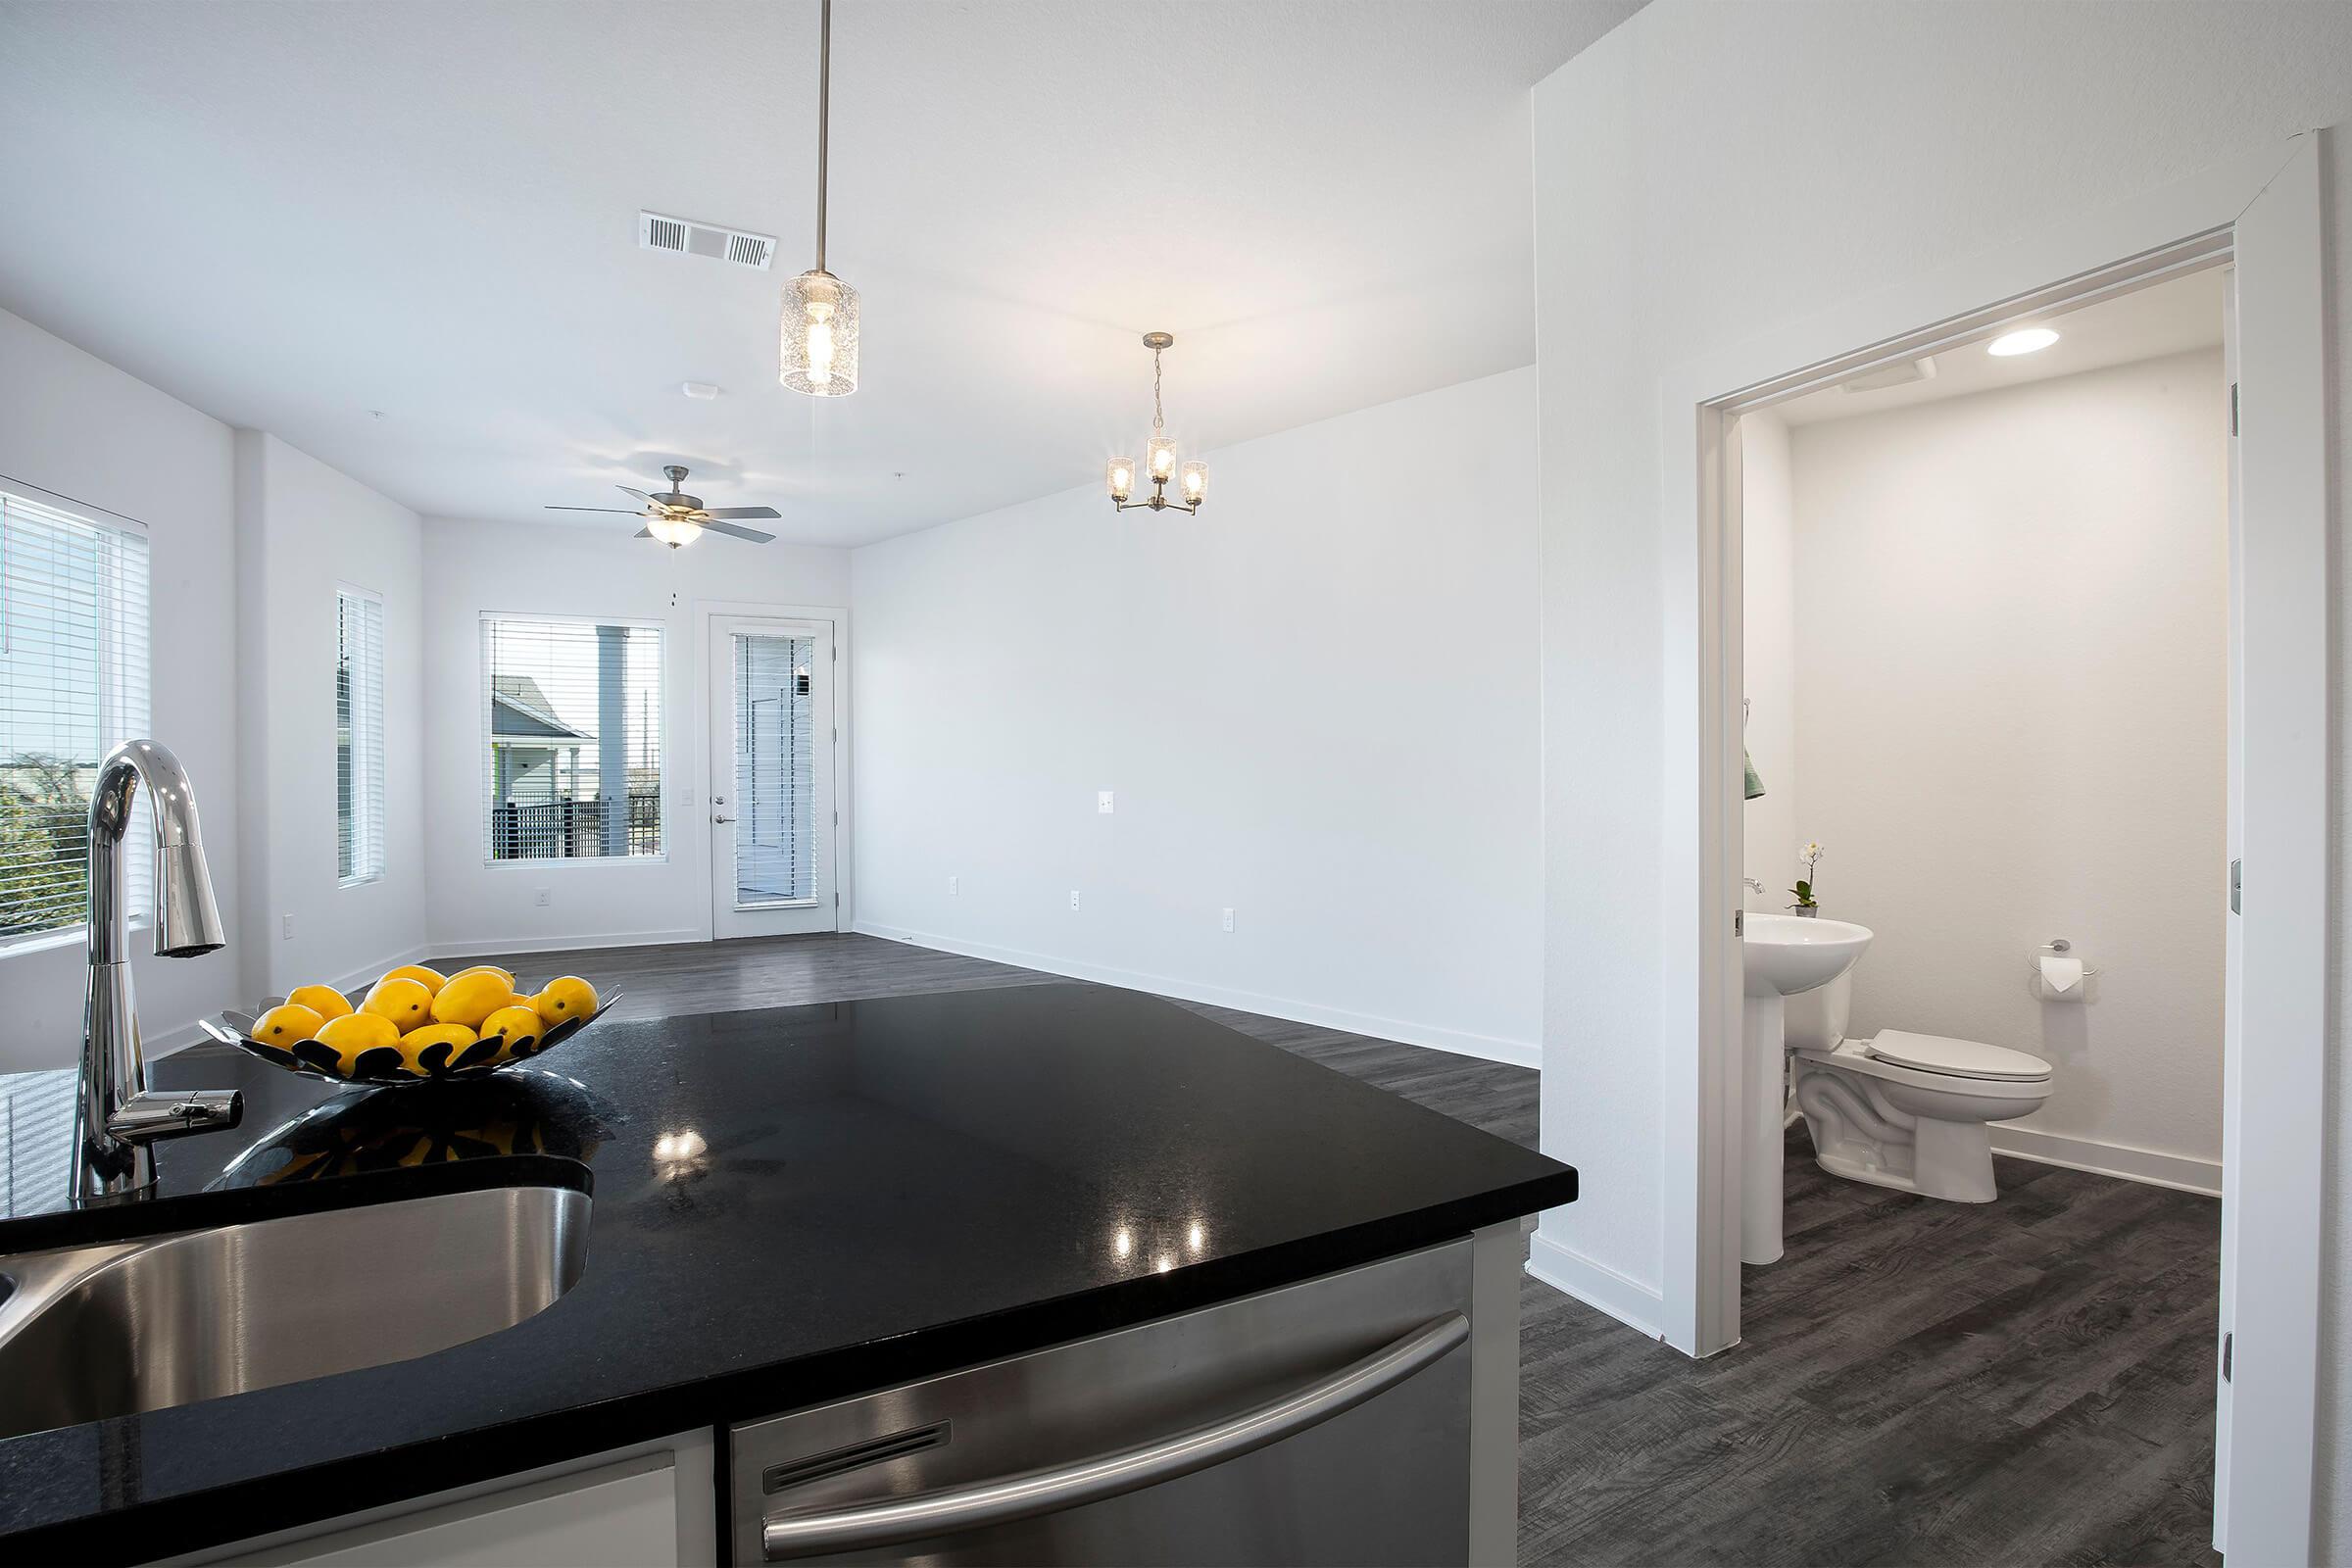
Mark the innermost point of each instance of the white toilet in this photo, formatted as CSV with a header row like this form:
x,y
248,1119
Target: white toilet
x,y
1901,1109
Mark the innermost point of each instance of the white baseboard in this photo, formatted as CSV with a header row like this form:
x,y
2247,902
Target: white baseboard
x,y
1460,1042
1636,1305
480,947
2182,1172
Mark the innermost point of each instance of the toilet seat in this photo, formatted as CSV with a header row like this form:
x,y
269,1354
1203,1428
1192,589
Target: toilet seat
x,y
1856,1056
1957,1058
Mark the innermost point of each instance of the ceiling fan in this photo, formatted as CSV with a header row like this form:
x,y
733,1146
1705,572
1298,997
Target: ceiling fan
x,y
678,518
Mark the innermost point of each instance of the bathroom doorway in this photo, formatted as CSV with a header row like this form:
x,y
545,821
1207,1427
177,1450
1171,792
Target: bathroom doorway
x,y
2258,217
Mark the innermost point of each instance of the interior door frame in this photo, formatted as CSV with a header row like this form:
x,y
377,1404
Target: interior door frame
x,y
704,614
2274,1098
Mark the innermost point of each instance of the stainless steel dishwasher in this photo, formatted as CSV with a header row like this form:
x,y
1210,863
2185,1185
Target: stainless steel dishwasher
x,y
1327,1422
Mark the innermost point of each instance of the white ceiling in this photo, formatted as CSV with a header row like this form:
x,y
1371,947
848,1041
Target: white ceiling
x,y
2168,318
290,215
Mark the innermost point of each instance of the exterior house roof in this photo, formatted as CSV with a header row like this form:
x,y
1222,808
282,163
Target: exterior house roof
x,y
520,711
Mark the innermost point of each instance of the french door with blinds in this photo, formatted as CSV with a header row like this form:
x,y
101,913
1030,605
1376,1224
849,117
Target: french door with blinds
x,y
772,802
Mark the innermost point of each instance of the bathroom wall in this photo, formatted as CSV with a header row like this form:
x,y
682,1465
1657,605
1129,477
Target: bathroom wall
x,y
1768,618
2009,657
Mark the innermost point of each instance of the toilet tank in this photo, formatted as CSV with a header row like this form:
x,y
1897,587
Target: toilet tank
x,y
1817,1018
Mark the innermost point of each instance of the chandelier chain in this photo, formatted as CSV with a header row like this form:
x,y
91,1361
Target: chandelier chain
x,y
1157,423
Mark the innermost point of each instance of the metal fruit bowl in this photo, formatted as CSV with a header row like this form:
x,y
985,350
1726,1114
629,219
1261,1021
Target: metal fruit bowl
x,y
385,1064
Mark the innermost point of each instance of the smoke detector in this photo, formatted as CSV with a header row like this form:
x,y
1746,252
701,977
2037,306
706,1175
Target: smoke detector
x,y
659,231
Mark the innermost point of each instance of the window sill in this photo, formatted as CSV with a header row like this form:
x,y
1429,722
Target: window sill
x,y
72,936
576,862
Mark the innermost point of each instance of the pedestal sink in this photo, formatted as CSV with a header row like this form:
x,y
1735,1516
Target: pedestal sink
x,y
1780,956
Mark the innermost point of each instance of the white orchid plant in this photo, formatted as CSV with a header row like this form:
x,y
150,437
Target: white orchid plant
x,y
1808,851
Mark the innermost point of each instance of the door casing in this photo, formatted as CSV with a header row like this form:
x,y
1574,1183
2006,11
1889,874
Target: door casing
x,y
2261,215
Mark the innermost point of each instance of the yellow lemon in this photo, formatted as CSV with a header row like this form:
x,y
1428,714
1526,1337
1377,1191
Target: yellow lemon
x,y
324,1001
283,1026
507,976
431,979
413,1045
516,1024
404,1002
355,1034
565,999
471,996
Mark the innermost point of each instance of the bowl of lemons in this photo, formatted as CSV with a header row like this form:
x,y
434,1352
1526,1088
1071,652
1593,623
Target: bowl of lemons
x,y
416,1025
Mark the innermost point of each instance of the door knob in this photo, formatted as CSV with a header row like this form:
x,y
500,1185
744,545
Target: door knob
x,y
723,820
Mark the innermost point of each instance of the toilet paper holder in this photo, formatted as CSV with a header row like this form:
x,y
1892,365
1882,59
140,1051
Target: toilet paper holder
x,y
2056,947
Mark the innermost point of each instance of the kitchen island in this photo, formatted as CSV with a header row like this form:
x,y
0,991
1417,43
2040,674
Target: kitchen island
x,y
788,1209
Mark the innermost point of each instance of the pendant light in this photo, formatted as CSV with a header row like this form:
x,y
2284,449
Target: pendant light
x,y
818,350
1159,456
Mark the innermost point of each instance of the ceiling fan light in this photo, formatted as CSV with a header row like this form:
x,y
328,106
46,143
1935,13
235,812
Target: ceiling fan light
x,y
818,351
673,531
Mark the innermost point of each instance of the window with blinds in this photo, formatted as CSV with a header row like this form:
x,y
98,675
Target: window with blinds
x,y
359,736
775,853
572,757
72,687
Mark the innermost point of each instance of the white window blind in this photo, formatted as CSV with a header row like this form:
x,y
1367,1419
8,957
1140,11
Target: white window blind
x,y
72,687
359,736
572,759
775,853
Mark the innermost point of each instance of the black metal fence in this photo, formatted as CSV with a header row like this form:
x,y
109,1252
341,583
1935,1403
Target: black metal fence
x,y
556,830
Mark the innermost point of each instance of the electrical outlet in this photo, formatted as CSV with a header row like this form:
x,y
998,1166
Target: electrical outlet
x,y
1227,919
285,929
539,896
1102,802
1073,898
954,886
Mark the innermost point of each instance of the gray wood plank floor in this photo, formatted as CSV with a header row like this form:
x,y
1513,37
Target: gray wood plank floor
x,y
2029,1381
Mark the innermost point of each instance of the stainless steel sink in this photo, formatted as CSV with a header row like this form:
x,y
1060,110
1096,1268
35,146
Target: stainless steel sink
x,y
121,1327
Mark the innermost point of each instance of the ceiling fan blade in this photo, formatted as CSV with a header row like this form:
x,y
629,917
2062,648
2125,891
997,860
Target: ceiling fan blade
x,y
645,533
618,512
736,531
743,512
639,494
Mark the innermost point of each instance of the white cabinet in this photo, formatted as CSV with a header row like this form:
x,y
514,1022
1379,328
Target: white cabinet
x,y
633,1507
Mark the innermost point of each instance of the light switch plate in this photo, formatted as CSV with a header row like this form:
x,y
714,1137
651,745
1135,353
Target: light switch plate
x,y
285,929
954,886
1228,919
1102,802
1073,898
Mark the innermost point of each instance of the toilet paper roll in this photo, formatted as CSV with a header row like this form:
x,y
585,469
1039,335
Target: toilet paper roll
x,y
2061,978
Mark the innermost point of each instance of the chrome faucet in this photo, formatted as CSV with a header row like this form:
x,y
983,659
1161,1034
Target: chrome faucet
x,y
116,1115
1753,886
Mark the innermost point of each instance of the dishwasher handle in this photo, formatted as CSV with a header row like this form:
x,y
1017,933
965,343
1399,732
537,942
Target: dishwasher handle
x,y
1050,1490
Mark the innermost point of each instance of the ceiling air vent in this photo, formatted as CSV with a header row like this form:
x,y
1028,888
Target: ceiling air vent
x,y
659,231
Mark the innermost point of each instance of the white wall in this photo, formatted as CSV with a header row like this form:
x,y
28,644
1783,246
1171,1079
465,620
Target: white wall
x,y
304,528
2011,666
587,572
1768,626
1708,172
73,424
1315,705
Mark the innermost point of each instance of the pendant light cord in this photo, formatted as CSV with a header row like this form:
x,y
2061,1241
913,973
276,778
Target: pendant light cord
x,y
824,96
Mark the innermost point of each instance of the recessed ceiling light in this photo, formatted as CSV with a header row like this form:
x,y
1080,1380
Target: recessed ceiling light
x,y
2024,341
700,389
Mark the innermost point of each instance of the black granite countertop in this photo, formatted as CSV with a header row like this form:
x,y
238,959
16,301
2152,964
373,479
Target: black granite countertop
x,y
887,1189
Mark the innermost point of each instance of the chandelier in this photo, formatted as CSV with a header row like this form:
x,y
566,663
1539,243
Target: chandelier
x,y
1159,456
818,352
